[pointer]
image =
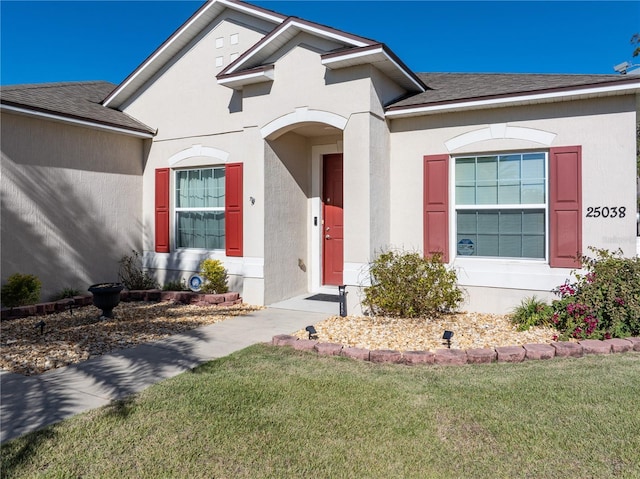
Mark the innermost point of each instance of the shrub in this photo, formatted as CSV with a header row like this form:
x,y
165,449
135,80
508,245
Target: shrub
x,y
603,303
177,285
410,285
132,275
65,293
531,312
20,290
214,275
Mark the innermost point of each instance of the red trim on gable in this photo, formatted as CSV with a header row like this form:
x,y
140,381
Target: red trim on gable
x,y
233,209
565,206
436,205
162,210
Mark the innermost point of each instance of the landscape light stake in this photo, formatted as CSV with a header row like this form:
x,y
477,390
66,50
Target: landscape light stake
x,y
313,334
342,296
41,324
447,337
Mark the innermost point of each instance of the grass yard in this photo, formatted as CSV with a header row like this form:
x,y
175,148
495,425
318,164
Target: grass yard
x,y
275,412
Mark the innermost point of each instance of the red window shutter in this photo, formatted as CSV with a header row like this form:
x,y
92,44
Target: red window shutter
x,y
233,209
162,210
436,205
565,206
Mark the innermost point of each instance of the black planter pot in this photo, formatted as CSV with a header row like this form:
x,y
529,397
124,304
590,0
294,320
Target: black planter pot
x,y
106,296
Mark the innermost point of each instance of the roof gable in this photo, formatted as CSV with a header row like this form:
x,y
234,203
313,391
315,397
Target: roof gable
x,y
351,50
290,28
182,37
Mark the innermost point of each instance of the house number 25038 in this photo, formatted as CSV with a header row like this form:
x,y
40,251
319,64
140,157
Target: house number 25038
x,y
606,211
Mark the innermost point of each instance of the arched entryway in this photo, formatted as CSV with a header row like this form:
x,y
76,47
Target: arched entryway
x,y
303,197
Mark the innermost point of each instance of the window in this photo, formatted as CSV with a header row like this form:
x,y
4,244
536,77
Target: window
x,y
501,205
208,209
200,208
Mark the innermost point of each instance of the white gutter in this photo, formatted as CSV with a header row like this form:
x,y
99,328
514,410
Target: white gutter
x,y
506,101
76,122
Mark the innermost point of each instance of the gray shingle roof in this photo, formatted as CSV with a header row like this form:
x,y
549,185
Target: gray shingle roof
x,y
74,100
451,87
82,100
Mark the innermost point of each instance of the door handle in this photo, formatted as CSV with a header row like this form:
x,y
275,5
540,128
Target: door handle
x,y
327,237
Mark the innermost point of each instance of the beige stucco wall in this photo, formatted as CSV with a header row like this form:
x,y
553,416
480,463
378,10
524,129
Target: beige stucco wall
x,y
263,126
191,111
287,190
605,128
366,190
184,100
71,202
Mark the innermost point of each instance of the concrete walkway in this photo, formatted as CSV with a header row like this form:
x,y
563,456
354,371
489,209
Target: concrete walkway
x,y
29,403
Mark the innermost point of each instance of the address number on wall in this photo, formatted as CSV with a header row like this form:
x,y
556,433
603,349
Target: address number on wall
x,y
606,211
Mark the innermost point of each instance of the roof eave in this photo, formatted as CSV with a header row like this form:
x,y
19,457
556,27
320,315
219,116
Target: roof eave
x,y
517,99
76,121
247,77
382,58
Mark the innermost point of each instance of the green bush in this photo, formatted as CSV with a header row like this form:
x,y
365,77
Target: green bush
x,y
64,294
410,285
214,275
603,303
531,312
132,275
20,290
177,285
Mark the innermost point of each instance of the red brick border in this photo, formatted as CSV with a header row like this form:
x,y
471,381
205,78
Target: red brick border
x,y
150,295
509,354
481,356
385,356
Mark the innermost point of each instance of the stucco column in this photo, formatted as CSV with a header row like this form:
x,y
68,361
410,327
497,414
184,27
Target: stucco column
x,y
366,193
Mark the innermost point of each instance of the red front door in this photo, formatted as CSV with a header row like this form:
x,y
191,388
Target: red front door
x,y
332,214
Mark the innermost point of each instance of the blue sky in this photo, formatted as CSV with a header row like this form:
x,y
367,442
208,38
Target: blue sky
x,y
45,41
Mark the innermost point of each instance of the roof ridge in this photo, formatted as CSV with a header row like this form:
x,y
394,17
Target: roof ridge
x,y
334,29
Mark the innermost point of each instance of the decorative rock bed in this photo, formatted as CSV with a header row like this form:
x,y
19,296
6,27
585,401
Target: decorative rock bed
x,y
31,345
502,354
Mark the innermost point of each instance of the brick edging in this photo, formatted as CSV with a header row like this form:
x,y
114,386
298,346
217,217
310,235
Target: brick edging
x,y
149,295
501,354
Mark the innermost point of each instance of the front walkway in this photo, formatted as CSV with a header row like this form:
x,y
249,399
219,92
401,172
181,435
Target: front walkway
x,y
29,403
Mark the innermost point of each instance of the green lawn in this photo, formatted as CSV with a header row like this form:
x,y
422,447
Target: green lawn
x,y
275,412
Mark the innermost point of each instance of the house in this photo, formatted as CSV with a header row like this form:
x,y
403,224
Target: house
x,y
295,152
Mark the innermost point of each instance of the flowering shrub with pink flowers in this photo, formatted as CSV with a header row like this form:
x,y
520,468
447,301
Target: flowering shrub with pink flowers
x,y
604,302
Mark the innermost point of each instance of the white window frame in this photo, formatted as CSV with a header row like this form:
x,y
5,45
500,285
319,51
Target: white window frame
x,y
176,209
477,207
